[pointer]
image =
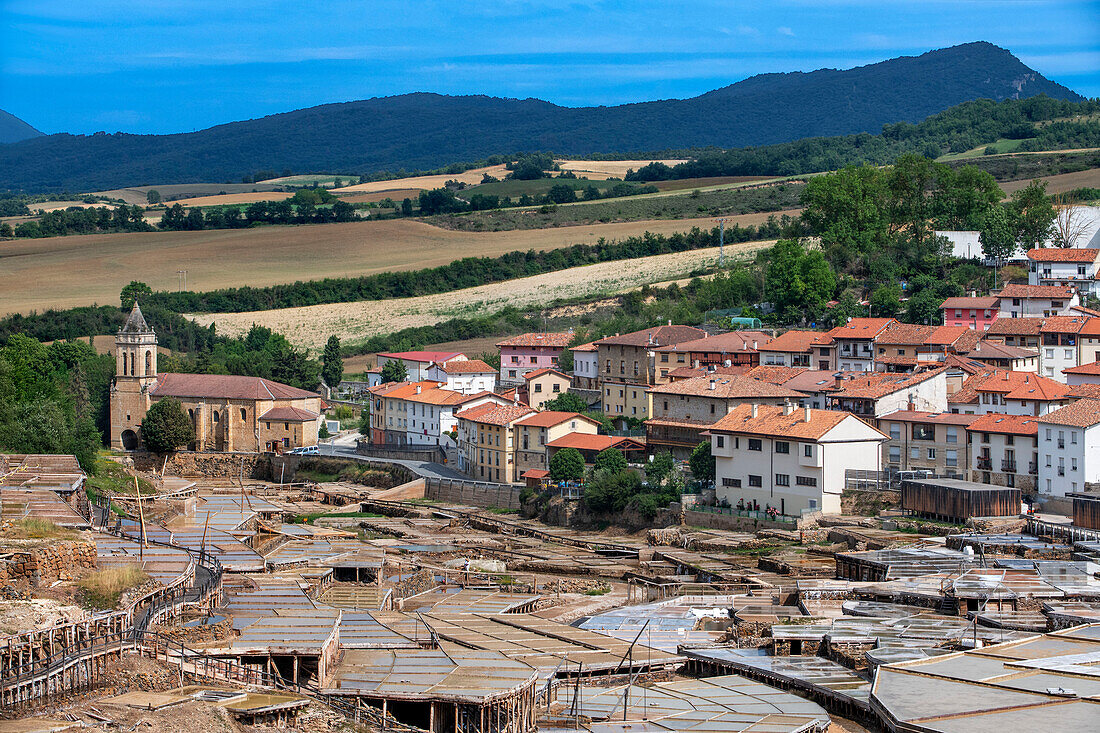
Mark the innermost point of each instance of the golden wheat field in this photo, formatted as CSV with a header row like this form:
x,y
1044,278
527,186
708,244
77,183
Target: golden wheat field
x,y
63,272
310,326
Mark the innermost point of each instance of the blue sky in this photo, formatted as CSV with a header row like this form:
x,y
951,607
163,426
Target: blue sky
x,y
173,65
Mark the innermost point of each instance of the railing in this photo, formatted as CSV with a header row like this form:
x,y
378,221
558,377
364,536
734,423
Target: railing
x,y
1008,466
985,463
758,514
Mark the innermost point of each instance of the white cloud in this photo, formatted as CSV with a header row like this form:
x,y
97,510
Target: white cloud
x,y
784,31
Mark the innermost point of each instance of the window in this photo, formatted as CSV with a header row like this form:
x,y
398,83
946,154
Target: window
x,y
754,444
556,388
734,483
755,480
720,441
782,446
951,457
914,453
666,404
895,454
538,387
1073,437
931,454
286,426
1010,440
895,431
805,481
664,358
782,479
1048,435
808,450
711,408
952,435
924,432
215,415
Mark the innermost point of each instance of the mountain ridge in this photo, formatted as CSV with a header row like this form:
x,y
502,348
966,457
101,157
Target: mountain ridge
x,y
423,130
13,129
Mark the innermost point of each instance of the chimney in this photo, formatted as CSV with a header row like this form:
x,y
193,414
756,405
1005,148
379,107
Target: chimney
x,y
754,345
754,410
418,388
806,413
788,407
713,384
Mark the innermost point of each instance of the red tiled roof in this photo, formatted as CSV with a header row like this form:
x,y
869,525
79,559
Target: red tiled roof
x,y
690,424
1090,391
723,343
725,387
1058,254
550,418
948,335
873,386
1015,327
545,370
468,366
774,374
1020,290
490,414
535,473
584,441
939,418
590,346
657,336
424,356
796,342
556,340
969,391
905,334
225,386
985,303
1079,414
1005,424
1030,386
966,364
402,390
289,414
861,328
1064,324
810,381
436,396
771,421
1086,311
1088,369
996,350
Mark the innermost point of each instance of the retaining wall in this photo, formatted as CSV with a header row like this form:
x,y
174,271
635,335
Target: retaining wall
x,y
52,561
711,520
473,493
216,464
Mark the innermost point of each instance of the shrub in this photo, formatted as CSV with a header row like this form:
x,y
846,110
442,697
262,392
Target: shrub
x,y
103,588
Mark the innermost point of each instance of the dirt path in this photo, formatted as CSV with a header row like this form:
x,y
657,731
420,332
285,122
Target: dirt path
x,y
310,326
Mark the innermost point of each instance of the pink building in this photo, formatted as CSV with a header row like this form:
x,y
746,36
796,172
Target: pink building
x,y
975,313
529,352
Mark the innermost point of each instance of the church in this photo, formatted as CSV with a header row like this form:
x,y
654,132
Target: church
x,y
228,412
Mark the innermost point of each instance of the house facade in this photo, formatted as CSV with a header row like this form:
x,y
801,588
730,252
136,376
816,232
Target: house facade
x,y
970,312
486,441
809,349
1064,267
792,459
874,395
418,364
468,376
628,367
1003,450
586,372
1036,301
931,441
855,343
529,352
1069,448
535,431
543,385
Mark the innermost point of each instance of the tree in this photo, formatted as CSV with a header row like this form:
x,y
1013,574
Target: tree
x,y
567,465
611,492
566,402
560,193
134,292
702,462
659,468
6,231
153,196
1034,214
407,207
1070,223
611,460
166,427
394,371
332,365
998,235
886,301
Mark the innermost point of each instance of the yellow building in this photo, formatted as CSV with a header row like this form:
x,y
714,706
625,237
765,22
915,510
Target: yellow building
x,y
535,431
486,441
627,368
228,412
544,385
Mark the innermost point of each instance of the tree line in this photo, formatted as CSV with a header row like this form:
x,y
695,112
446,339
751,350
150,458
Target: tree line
x,y
76,220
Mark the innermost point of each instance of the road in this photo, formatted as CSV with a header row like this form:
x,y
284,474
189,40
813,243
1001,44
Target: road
x,y
424,469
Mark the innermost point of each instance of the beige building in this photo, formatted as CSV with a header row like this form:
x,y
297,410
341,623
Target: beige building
x,y
627,367
928,441
228,412
487,439
535,431
544,385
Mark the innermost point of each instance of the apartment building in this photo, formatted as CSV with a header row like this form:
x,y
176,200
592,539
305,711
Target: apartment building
x,y
970,312
430,414
1036,301
487,440
901,346
529,352
418,363
1069,448
535,431
1060,340
1064,267
1002,356
855,343
1003,450
1083,374
872,395
388,414
736,348
681,411
586,366
468,376
931,441
1020,393
793,459
628,367
809,349
543,385
1021,332
1088,342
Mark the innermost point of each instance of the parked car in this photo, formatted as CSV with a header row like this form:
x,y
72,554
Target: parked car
x,y
307,450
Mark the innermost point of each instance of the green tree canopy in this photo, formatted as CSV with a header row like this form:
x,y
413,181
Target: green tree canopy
x,y
998,234
702,462
332,364
886,301
166,427
567,465
611,460
659,469
394,371
134,292
1034,214
152,196
566,402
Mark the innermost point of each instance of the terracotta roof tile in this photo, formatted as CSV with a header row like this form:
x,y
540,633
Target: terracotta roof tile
x,y
1015,327
1020,290
873,386
491,414
938,418
550,418
771,421
722,343
1064,324
585,441
656,336
1089,391
1092,369
862,328
810,381
289,414
774,374
796,342
437,396
969,393
1036,386
984,303
403,390
541,372
469,366
725,387
1005,424
905,334
225,386
1079,414
556,340
995,350
590,346
1058,254
949,335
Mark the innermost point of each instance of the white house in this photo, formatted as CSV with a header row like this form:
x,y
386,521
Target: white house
x,y
429,414
1002,450
793,459
1036,300
1069,448
1083,374
1060,341
418,363
855,343
1065,267
811,349
586,360
468,376
1020,393
872,395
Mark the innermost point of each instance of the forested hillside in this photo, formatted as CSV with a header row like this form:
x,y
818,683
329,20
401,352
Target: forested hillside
x,y
420,131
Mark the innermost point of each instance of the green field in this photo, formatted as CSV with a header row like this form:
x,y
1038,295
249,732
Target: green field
x,y
537,187
311,179
1001,145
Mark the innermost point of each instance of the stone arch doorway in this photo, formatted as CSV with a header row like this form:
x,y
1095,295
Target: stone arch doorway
x,y
129,440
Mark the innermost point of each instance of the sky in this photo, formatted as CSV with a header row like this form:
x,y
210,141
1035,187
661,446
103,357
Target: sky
x,y
177,66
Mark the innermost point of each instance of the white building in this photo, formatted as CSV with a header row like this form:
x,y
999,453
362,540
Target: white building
x,y
1020,393
428,415
1064,267
1084,374
1002,450
964,245
872,395
468,376
1036,300
418,363
793,459
586,361
1059,350
1069,448
855,343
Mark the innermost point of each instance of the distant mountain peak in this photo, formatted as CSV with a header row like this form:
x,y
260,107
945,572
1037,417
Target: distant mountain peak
x,y
13,129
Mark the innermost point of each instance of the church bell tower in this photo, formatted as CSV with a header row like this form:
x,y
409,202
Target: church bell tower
x,y
135,377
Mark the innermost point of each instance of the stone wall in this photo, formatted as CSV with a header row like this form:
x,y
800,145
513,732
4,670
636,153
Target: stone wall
x,y
710,520
868,503
213,464
473,493
37,566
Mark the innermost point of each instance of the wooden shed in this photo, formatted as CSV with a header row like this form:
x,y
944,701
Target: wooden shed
x,y
1086,510
953,500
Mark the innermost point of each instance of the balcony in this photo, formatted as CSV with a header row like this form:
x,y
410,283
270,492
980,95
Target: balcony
x,y
1061,443
1008,466
985,463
